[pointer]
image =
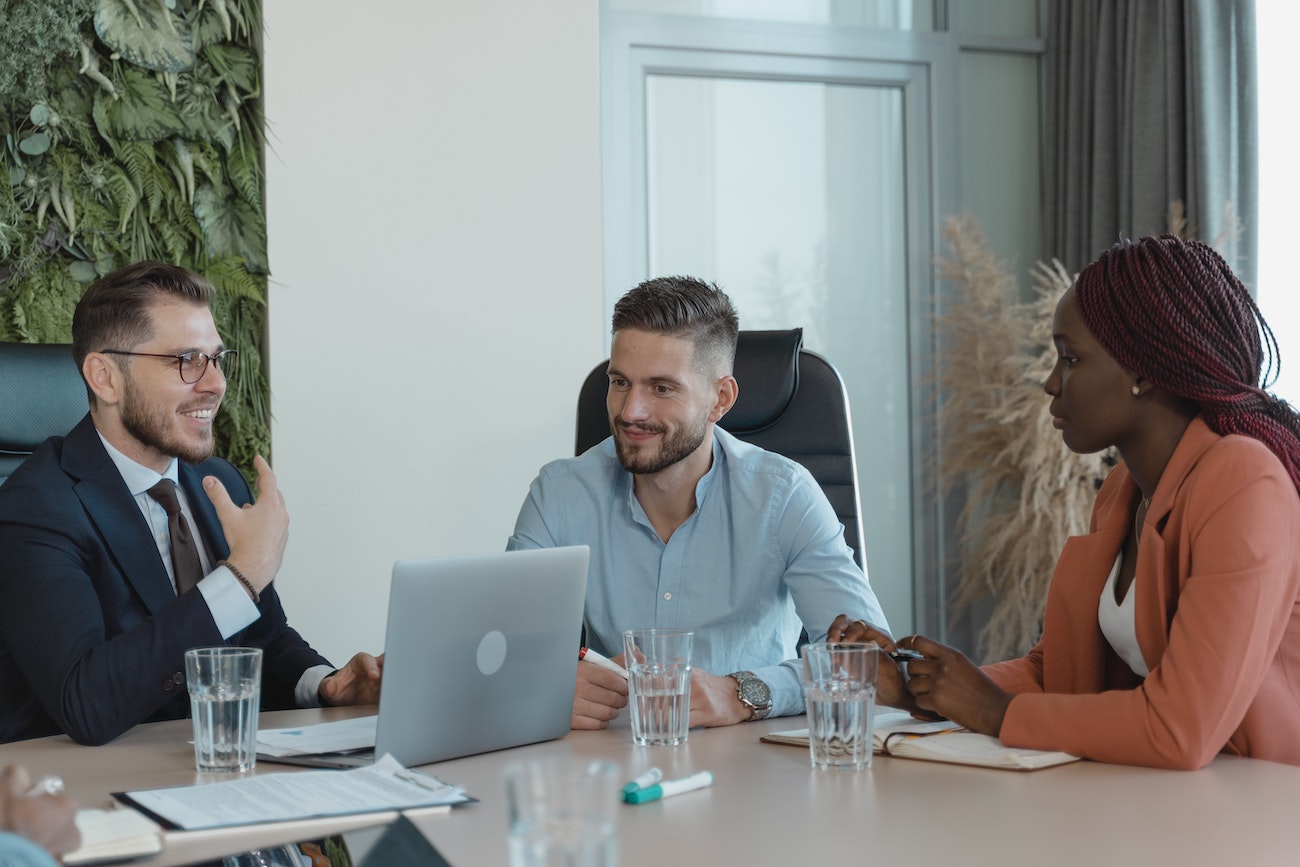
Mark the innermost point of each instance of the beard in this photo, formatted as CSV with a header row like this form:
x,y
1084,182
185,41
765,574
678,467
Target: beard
x,y
672,447
149,425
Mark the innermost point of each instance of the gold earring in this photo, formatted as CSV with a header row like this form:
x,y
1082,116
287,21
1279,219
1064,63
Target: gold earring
x,y
1136,391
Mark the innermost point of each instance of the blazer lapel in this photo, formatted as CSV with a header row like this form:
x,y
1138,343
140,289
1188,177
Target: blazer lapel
x,y
1156,600
116,517
1081,573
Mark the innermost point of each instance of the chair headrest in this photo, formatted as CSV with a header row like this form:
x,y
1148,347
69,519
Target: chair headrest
x,y
767,369
41,394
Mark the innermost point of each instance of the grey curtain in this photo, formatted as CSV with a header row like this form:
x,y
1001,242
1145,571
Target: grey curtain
x,y
1146,102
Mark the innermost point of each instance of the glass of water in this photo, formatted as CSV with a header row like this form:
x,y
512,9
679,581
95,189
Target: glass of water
x,y
658,663
225,685
839,688
562,813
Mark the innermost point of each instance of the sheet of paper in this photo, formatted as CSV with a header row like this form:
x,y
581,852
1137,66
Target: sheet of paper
x,y
383,786
332,737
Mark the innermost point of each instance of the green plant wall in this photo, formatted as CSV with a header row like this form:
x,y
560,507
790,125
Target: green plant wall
x,y
132,129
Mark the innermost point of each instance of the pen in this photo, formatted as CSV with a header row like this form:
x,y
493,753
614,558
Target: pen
x,y
668,788
47,785
649,778
904,655
604,662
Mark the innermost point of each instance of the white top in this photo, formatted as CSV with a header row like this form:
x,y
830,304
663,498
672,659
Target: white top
x,y
1119,623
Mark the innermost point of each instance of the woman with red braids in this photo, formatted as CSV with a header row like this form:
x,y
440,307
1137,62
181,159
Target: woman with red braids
x,y
1172,629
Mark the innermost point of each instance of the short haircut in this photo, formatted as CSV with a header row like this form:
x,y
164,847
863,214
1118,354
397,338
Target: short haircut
x,y
114,312
688,308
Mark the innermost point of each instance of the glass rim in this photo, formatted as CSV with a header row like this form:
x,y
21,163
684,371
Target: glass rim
x,y
223,651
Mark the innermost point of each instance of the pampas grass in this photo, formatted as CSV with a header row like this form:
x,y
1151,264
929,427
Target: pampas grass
x,y
1025,491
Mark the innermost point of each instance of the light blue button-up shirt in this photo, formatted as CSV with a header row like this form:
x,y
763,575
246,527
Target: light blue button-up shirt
x,y
18,851
762,555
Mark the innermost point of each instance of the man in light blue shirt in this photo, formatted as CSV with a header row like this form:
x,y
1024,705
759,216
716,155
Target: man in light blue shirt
x,y
689,527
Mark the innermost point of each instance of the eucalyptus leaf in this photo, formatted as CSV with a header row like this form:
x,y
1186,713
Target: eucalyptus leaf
x,y
231,226
83,272
146,34
103,263
40,114
17,174
142,112
35,144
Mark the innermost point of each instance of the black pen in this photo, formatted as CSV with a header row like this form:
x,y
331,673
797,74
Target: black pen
x,y
902,654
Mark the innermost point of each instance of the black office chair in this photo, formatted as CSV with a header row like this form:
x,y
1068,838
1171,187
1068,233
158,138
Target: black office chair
x,y
41,395
792,401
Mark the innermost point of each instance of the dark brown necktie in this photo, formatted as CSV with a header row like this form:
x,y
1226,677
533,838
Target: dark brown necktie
x,y
186,565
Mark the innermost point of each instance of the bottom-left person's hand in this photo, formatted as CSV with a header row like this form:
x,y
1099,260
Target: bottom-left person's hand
x,y
355,683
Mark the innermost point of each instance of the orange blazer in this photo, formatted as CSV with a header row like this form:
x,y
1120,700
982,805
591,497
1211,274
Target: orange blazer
x,y
1218,620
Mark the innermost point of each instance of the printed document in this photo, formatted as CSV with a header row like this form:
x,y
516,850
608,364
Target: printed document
x,y
383,786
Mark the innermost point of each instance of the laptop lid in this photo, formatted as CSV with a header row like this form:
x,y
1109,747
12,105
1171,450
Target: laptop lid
x,y
481,652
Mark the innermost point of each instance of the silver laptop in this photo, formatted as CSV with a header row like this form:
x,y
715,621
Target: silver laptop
x,y
481,654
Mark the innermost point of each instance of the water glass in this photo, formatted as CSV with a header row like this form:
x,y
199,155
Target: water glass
x,y
225,685
839,687
561,813
277,856
658,663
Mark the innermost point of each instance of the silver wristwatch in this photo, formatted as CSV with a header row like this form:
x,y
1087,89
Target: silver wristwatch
x,y
753,693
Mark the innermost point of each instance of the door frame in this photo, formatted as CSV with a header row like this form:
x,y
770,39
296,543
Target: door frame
x,y
923,66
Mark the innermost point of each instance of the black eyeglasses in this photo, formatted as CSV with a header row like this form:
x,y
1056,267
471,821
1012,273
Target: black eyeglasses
x,y
192,365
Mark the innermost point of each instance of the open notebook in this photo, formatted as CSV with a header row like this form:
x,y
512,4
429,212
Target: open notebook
x,y
897,733
111,836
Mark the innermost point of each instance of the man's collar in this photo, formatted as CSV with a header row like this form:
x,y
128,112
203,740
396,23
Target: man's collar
x,y
138,477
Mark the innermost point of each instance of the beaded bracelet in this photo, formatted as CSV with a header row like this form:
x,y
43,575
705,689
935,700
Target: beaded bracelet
x,y
248,585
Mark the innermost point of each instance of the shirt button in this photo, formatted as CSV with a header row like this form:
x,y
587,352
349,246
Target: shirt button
x,y
668,596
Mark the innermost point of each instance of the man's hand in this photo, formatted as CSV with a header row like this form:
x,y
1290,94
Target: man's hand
x,y
598,696
46,820
948,683
258,532
715,701
355,683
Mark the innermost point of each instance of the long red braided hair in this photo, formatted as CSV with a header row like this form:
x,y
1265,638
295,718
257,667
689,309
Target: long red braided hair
x,y
1173,312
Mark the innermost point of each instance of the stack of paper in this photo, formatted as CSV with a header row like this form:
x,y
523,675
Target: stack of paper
x,y
341,736
381,787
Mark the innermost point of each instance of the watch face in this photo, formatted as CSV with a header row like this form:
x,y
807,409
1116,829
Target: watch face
x,y
755,692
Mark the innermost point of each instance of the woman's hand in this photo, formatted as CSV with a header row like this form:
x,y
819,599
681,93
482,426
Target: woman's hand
x,y
891,682
947,683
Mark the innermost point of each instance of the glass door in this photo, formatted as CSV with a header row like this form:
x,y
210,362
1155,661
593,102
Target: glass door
x,y
804,187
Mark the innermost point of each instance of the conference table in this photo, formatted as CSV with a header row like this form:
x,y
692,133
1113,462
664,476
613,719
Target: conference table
x,y
767,806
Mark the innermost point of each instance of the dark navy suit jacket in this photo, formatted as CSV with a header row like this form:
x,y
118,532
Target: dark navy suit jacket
x,y
92,635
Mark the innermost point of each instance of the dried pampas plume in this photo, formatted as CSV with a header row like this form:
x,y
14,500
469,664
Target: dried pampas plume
x,y
1025,491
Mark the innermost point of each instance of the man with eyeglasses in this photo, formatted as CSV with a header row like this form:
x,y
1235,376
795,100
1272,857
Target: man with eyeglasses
x,y
125,543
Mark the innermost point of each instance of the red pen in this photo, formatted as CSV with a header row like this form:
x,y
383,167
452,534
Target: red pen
x,y
604,662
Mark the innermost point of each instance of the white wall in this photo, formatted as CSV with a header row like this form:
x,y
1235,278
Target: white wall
x,y
433,209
